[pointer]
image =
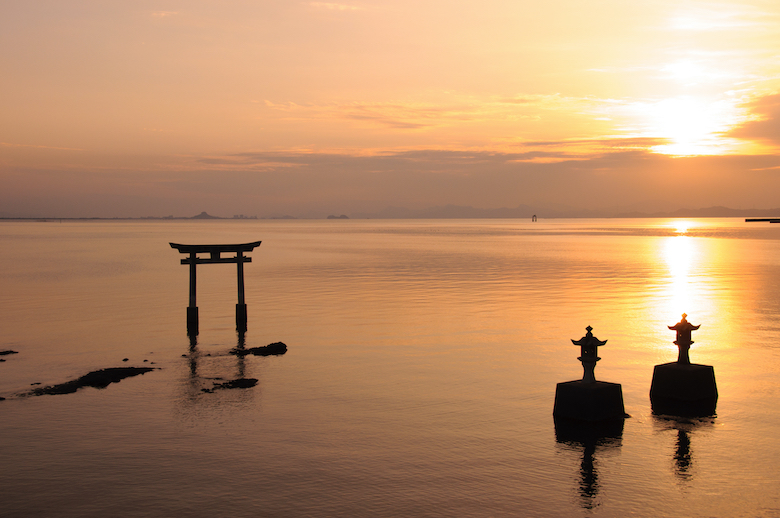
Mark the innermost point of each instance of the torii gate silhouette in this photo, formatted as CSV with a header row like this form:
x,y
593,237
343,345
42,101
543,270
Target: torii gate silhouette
x,y
214,252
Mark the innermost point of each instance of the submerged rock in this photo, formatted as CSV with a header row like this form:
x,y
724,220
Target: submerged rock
x,y
98,379
268,350
7,352
232,384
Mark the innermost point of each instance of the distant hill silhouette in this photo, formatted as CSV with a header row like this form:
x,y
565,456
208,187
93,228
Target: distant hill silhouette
x,y
526,211
709,212
468,212
203,215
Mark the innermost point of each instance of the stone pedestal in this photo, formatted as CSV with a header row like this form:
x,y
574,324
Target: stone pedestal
x,y
684,390
592,402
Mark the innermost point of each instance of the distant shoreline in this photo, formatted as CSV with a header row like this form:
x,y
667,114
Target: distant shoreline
x,y
185,219
449,212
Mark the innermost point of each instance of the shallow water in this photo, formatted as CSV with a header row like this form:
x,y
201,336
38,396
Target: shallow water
x,y
420,375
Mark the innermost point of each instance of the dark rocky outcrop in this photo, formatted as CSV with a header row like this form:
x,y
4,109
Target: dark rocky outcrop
x,y
97,379
268,350
233,384
5,353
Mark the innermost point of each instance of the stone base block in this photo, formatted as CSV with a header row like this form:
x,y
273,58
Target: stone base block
x,y
591,402
684,390
588,433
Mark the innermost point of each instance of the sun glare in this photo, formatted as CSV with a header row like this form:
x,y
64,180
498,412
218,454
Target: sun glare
x,y
692,126
681,226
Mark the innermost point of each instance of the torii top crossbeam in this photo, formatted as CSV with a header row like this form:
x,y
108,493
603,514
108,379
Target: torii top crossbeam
x,y
205,249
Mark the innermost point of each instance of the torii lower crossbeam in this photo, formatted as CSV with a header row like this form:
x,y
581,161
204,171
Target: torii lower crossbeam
x,y
214,257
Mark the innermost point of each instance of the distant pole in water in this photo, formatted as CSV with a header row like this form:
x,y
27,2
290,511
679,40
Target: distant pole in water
x,y
214,252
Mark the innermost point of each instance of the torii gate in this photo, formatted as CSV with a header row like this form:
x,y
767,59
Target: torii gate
x,y
214,258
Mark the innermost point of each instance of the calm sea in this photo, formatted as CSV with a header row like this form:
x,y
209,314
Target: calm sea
x,y
420,376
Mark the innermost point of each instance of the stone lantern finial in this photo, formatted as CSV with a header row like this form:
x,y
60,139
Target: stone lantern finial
x,y
589,345
683,342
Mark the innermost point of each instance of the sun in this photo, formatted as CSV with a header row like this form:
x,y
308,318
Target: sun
x,y
688,125
692,126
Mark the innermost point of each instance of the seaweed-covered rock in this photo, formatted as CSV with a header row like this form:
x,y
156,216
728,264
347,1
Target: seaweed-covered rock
x,y
267,350
232,384
98,379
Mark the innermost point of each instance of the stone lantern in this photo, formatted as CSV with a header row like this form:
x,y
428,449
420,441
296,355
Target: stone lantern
x,y
589,347
587,399
684,388
683,342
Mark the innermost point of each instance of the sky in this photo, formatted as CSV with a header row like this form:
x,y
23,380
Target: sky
x,y
268,108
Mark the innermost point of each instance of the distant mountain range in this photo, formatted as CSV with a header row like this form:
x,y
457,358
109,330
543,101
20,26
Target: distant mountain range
x,y
709,212
468,212
526,212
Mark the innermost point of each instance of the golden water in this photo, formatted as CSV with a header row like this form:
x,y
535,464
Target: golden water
x,y
420,375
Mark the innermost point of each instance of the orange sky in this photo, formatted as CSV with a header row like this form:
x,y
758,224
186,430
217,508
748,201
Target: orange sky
x,y
270,107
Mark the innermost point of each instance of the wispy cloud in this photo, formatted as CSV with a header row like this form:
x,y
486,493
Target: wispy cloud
x,y
164,14
396,115
406,115
765,123
719,16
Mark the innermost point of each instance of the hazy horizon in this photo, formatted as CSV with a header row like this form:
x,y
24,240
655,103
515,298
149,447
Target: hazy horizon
x,y
273,108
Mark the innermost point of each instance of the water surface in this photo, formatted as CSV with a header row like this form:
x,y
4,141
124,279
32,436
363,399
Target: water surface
x,y
420,375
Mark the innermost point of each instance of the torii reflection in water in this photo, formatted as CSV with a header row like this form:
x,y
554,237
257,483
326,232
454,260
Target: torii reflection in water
x,y
197,381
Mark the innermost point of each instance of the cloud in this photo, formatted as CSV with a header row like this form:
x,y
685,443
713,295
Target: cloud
x,y
164,14
317,184
396,115
719,16
547,152
767,126
604,144
416,115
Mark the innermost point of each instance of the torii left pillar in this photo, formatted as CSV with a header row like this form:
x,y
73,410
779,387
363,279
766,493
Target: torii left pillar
x,y
215,252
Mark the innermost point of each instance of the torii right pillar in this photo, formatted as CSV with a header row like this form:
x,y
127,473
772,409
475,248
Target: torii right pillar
x,y
683,388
